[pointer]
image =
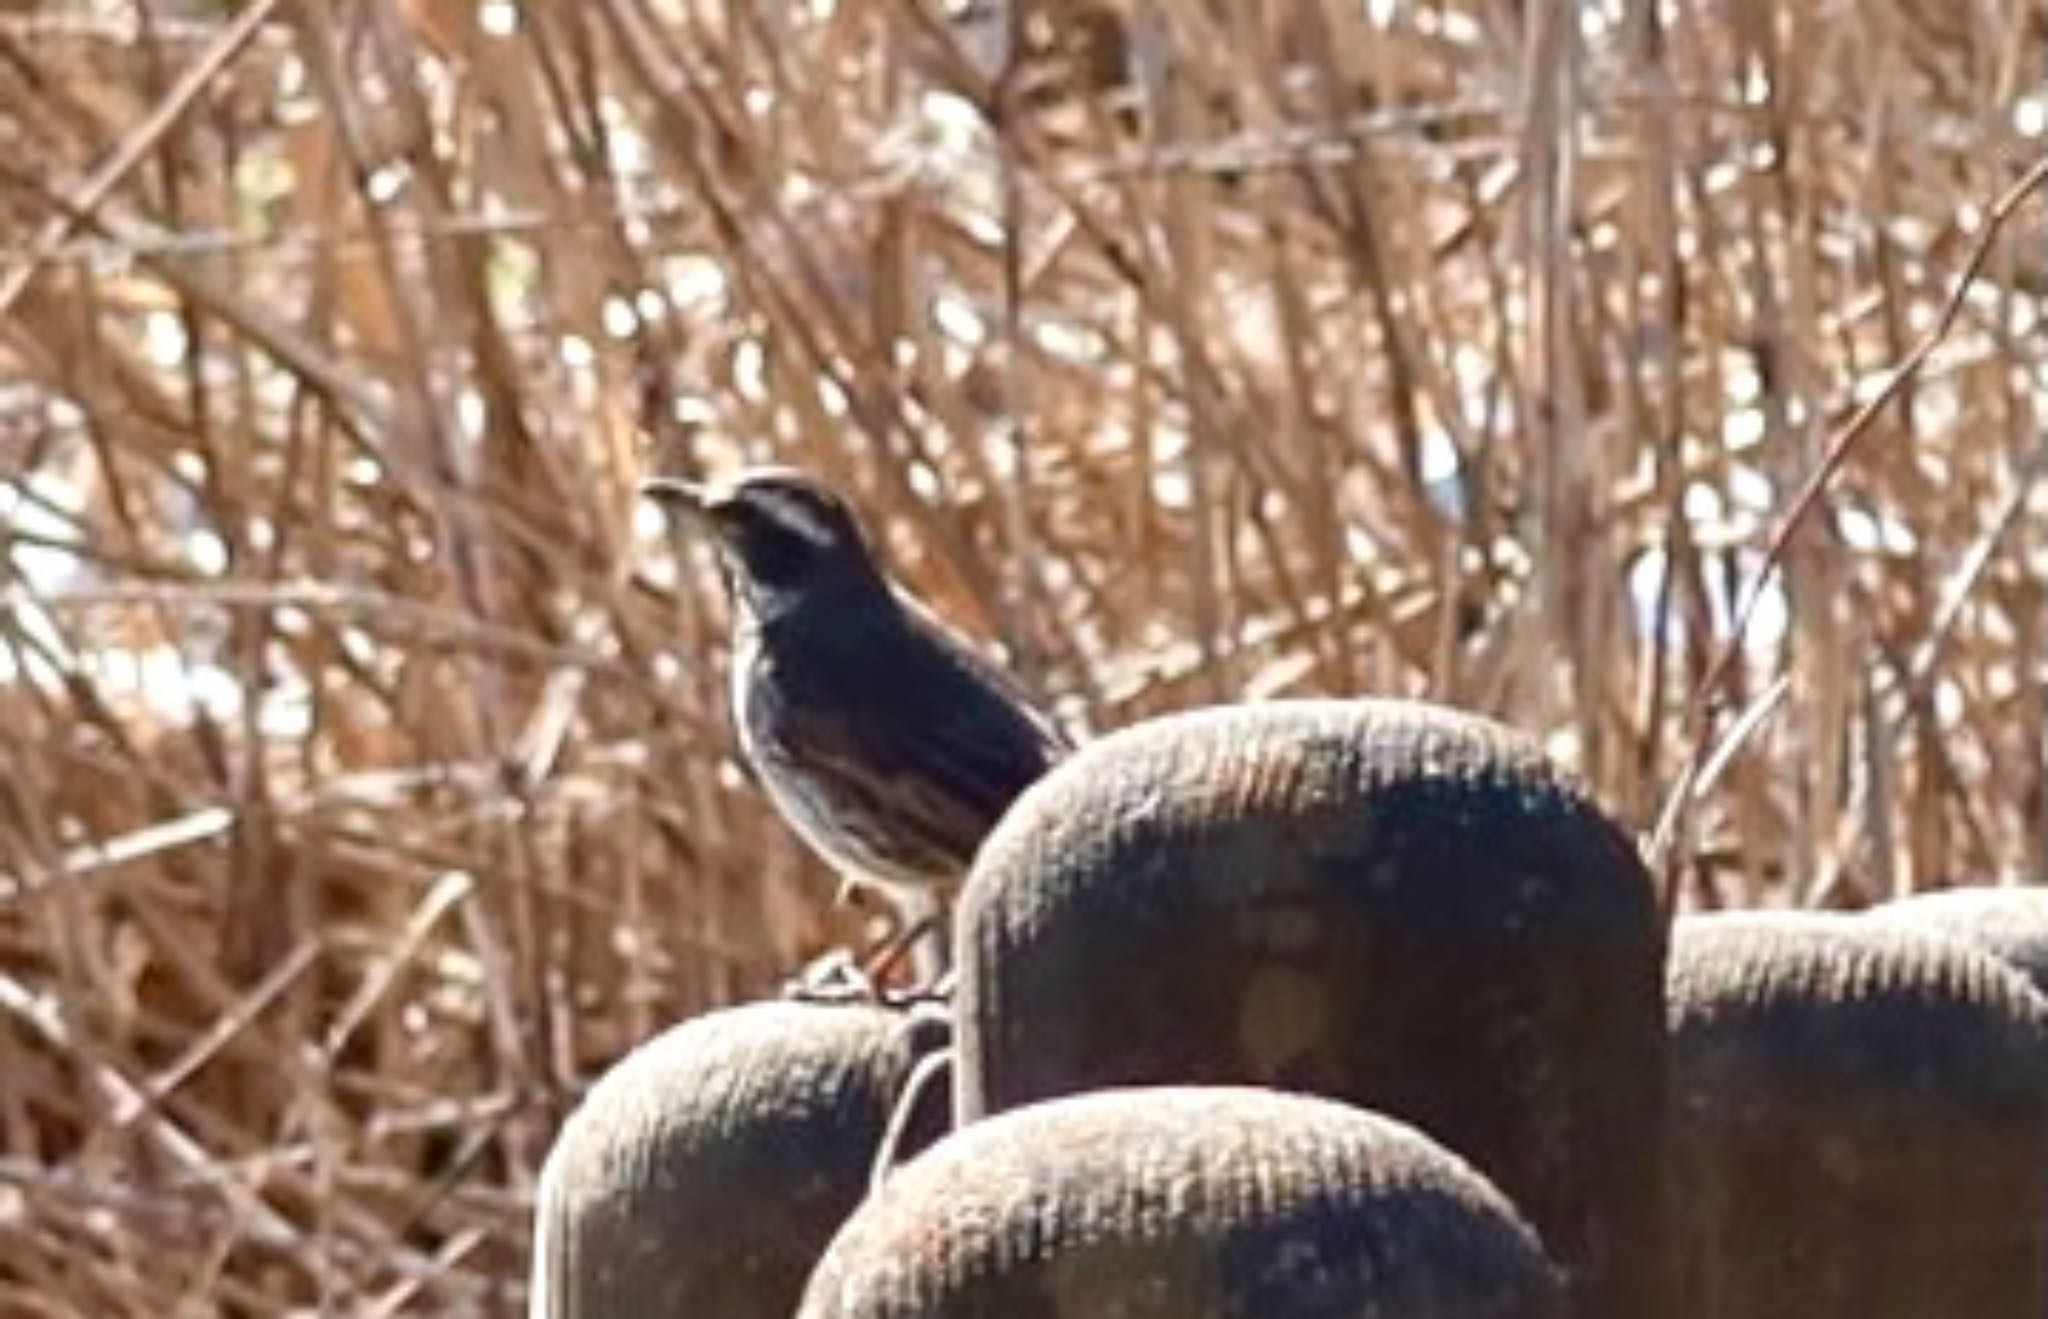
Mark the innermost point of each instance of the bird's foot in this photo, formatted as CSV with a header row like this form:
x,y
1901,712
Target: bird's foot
x,y
842,977
937,991
890,951
836,977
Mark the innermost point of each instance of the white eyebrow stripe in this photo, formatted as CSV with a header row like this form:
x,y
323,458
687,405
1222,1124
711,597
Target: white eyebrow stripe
x,y
793,510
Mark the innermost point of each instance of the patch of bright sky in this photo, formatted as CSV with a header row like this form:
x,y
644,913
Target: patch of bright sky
x,y
695,283
958,320
1701,504
469,414
1453,26
159,678
1358,545
1742,428
1563,745
206,552
386,182
1596,20
951,147
37,569
40,568
1750,491
2030,116
981,31
750,370
693,410
630,155
1767,625
620,320
1081,345
162,681
1171,488
498,18
1443,478
511,268
163,338
1874,533
1474,371
1949,702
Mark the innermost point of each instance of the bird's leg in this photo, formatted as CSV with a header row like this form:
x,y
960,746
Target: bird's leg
x,y
882,948
915,930
924,937
908,939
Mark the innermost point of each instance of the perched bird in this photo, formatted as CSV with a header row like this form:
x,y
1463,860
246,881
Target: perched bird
x,y
885,742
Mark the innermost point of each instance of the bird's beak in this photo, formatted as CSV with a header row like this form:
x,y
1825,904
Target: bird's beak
x,y
693,499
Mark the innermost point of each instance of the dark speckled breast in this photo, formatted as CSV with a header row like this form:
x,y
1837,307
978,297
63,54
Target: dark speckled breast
x,y
887,745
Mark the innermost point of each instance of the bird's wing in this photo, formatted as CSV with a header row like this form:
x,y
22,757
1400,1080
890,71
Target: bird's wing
x,y
920,764
978,668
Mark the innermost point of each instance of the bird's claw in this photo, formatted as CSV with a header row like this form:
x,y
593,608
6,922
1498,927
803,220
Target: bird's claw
x,y
840,977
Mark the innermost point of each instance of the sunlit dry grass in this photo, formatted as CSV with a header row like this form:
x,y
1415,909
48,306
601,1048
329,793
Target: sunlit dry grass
x,y
365,781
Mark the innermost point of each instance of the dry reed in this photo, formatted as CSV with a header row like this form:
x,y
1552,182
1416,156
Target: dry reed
x,y
365,784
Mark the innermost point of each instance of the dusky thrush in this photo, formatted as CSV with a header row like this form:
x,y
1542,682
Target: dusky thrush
x,y
884,740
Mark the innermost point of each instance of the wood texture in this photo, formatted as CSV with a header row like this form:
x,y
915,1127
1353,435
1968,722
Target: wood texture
x,y
704,1173
1861,1123
1379,901
1185,1204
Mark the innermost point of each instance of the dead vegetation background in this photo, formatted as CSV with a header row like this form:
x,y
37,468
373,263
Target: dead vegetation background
x,y
364,776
